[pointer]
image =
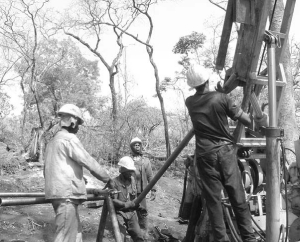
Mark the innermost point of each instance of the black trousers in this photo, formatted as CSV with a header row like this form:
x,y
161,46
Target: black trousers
x,y
220,170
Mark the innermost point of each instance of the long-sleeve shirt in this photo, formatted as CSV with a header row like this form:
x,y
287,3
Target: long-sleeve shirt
x,y
127,192
65,158
143,172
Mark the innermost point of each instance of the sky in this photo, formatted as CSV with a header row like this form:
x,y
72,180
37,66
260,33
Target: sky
x,y
172,20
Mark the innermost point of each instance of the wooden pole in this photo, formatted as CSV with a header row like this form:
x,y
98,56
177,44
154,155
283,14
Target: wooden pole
x,y
102,222
114,220
194,217
225,37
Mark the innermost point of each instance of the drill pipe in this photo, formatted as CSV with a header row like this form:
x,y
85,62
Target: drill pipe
x,y
22,194
42,194
38,200
168,162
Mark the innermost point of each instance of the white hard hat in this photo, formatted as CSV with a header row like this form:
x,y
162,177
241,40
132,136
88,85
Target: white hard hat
x,y
127,163
73,110
135,140
197,75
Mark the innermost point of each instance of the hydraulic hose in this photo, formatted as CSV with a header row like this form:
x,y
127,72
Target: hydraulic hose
x,y
233,231
259,234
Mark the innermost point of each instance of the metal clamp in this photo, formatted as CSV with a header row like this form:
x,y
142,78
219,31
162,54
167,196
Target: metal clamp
x,y
270,38
272,132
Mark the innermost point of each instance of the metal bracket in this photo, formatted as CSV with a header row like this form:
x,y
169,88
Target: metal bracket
x,y
272,132
270,38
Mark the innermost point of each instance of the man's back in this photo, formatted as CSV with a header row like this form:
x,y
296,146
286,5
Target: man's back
x,y
209,112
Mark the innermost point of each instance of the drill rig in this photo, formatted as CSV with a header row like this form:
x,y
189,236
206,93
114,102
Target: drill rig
x,y
261,152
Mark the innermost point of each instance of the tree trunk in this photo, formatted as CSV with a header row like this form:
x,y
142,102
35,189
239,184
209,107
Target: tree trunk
x,y
287,117
163,111
114,111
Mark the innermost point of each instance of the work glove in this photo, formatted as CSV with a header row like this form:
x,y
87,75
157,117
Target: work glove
x,y
109,184
261,122
153,195
130,205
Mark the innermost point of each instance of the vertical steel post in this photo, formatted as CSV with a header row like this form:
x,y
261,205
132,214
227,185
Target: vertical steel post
x,y
272,150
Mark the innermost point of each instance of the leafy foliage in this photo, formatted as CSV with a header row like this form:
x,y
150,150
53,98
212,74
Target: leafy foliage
x,y
135,119
189,43
5,106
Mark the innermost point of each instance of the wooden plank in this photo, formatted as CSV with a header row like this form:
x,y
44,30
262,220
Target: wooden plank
x,y
259,35
285,28
243,12
250,41
225,37
247,54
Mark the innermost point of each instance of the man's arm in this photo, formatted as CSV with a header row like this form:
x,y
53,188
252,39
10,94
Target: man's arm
x,y
244,118
83,158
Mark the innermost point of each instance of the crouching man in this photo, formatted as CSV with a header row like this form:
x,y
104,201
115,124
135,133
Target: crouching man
x,y
123,201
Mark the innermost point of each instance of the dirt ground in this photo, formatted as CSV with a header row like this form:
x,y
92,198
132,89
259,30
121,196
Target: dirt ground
x,y
34,223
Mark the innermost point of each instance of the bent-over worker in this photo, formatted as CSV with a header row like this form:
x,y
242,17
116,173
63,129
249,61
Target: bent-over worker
x,y
215,152
65,158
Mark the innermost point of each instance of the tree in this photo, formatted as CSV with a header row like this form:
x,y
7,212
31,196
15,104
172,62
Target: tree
x,y
5,106
142,7
287,118
94,18
91,20
189,45
135,118
20,31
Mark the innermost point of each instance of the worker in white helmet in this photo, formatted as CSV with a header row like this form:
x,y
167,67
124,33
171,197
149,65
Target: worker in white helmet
x,y
216,156
65,158
124,200
143,175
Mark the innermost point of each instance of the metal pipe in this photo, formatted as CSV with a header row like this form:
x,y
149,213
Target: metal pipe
x,y
272,85
42,194
102,222
162,170
114,220
22,194
38,200
272,154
